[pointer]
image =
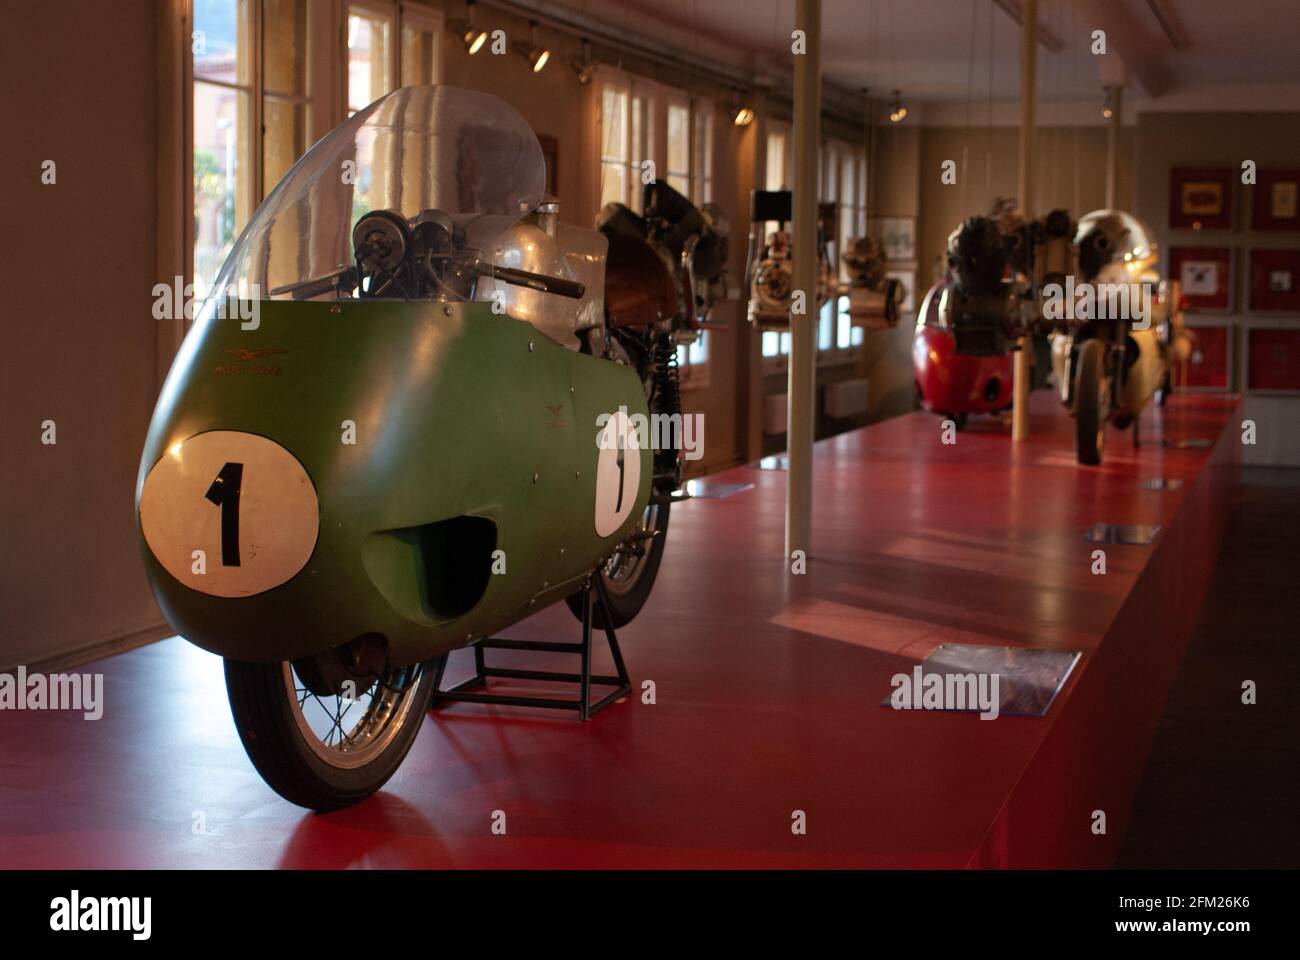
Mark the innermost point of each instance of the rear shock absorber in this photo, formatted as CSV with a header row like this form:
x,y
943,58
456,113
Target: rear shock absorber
x,y
666,400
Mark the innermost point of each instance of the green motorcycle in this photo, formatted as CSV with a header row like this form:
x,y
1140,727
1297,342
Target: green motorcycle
x,y
402,421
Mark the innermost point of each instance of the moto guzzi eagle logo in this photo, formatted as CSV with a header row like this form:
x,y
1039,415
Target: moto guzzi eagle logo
x,y
244,357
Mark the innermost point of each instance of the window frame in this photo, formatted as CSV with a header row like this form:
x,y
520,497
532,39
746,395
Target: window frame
x,y
323,97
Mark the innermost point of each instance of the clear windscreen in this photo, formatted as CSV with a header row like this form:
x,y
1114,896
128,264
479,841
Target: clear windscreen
x,y
458,167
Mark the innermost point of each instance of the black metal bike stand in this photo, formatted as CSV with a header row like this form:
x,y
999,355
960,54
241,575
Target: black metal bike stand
x,y
594,597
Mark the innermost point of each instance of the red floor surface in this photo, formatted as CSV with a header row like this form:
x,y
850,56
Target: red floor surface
x,y
768,689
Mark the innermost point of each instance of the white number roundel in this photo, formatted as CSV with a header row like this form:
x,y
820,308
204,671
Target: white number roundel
x,y
618,473
229,514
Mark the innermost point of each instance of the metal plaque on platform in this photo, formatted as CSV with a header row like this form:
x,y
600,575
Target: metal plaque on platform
x,y
1028,678
1190,443
779,462
1162,483
1140,533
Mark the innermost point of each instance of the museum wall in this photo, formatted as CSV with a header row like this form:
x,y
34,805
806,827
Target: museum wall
x,y
895,184
1202,139
88,238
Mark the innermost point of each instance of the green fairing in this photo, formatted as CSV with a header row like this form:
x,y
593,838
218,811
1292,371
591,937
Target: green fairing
x,y
458,412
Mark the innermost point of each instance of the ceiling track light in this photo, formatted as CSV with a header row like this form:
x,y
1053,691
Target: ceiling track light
x,y
585,67
470,35
897,112
535,55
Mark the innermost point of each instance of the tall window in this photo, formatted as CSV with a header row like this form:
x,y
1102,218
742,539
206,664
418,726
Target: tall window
x,y
702,152
224,184
679,148
420,54
389,45
626,142
370,55
255,103
777,177
284,88
778,157
689,170
852,224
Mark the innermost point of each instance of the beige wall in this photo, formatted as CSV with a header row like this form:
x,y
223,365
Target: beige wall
x,y
896,191
79,337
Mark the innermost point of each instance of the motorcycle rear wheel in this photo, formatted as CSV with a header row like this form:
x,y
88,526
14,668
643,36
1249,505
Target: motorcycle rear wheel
x,y
303,744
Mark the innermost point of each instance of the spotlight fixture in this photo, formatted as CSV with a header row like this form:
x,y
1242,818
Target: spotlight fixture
x,y
1108,105
536,56
896,109
742,116
470,35
585,68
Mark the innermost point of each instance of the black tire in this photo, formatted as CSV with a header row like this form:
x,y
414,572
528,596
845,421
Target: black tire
x,y
264,713
1090,402
960,420
626,598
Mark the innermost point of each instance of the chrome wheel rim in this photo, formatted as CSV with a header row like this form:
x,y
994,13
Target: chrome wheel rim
x,y
348,732
623,568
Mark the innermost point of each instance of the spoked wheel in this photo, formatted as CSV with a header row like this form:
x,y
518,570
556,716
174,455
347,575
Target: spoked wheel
x,y
628,574
1091,402
326,743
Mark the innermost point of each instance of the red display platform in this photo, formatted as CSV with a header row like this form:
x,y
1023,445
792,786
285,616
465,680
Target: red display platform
x,y
767,688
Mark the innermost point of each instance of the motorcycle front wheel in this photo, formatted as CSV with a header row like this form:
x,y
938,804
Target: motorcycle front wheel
x,y
1091,402
321,750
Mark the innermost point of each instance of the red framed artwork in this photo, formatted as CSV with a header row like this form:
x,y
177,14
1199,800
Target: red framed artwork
x,y
1273,359
1200,198
1274,281
1209,366
1205,274
1275,200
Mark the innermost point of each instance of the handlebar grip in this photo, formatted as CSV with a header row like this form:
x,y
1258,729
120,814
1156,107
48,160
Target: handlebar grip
x,y
540,281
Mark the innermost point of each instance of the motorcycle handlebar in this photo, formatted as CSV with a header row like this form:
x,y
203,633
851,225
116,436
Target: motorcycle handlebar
x,y
535,281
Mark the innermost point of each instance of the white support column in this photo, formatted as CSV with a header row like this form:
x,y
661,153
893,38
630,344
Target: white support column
x,y
802,398
1028,51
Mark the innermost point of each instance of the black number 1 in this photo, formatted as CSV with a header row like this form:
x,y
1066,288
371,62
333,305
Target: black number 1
x,y
618,504
224,492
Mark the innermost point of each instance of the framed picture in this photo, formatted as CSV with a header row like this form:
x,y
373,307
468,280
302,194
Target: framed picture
x,y
1275,200
1208,369
1272,361
1274,281
906,277
1205,274
1200,198
897,235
